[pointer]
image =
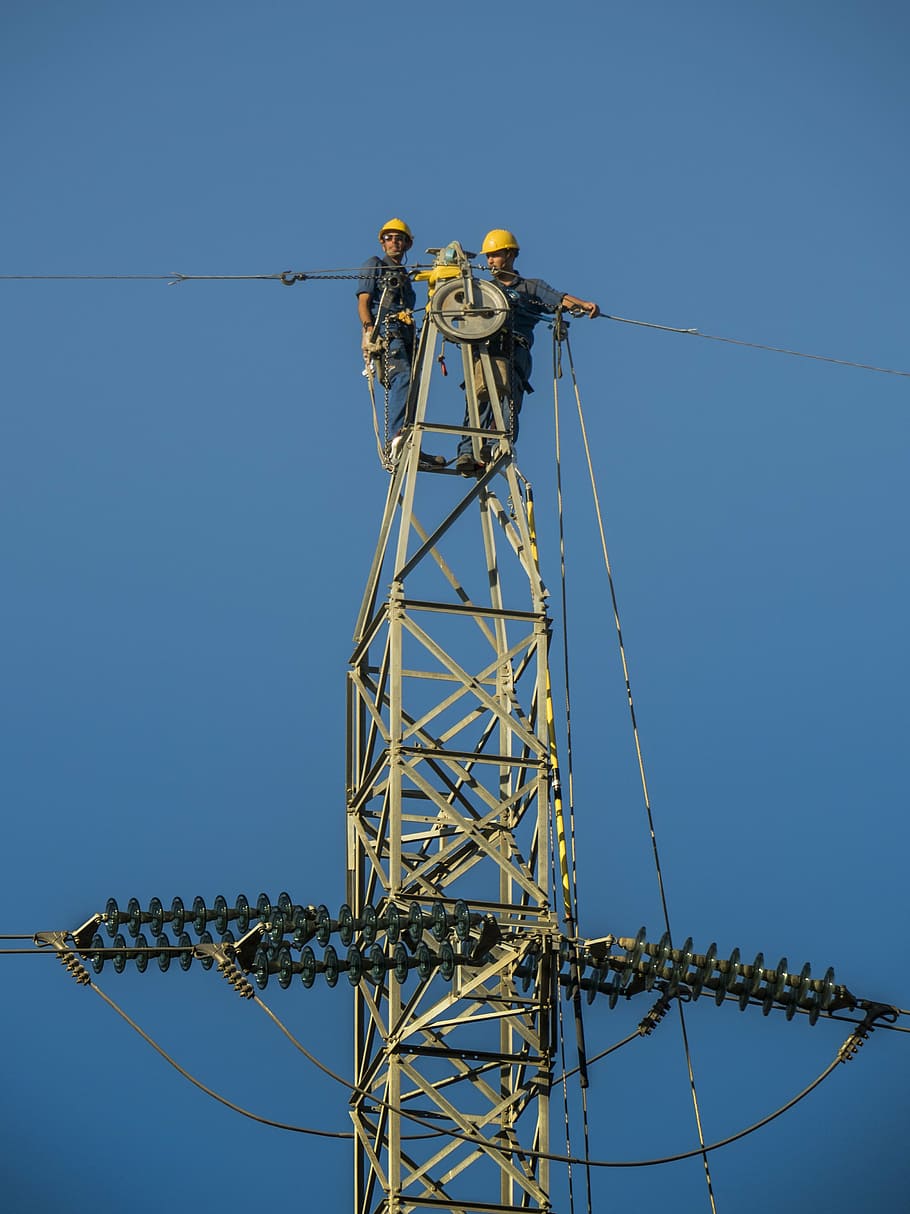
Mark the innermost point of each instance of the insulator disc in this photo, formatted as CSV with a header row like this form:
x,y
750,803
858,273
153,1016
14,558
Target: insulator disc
x,y
323,925
96,958
120,955
142,953
243,914
744,993
261,967
185,958
634,954
757,973
208,961
594,984
462,920
355,965
780,980
228,937
805,981
663,952
112,917
626,976
285,904
425,961
156,917
612,990
393,923
680,969
368,925
134,917
790,1011
200,915
220,907
415,924
330,958
732,973
377,964
346,925
264,908
178,916
685,959
400,959
814,1010
308,967
447,961
705,970
285,967
164,957
439,922
826,994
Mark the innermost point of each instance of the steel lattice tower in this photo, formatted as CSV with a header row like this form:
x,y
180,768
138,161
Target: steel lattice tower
x,y
448,767
454,949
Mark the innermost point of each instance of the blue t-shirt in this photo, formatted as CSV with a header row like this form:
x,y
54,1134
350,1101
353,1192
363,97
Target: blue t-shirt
x,y
381,274
529,298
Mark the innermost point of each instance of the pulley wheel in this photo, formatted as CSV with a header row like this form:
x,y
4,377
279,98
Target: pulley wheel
x,y
469,311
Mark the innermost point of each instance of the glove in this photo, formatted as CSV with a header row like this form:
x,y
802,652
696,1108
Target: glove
x,y
371,346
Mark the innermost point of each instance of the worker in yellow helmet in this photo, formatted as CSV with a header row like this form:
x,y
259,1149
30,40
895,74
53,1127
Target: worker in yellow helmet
x,y
385,302
510,348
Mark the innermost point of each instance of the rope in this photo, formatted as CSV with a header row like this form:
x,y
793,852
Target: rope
x,y
755,345
558,329
641,766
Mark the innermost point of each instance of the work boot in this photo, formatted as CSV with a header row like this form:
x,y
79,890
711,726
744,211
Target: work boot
x,y
466,464
430,463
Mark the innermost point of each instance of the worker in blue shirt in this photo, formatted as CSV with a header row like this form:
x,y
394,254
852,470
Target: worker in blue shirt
x,y
385,302
510,348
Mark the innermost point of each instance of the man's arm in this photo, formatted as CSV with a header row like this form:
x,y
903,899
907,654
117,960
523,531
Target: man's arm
x,y
587,305
364,310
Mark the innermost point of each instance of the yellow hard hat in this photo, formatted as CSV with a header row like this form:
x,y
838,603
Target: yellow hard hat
x,y
499,238
397,225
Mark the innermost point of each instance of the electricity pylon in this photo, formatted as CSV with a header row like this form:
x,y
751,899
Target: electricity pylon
x,y
454,947
448,769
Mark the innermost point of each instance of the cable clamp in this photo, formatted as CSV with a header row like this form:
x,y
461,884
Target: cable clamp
x,y
228,969
856,1040
69,961
654,1017
289,277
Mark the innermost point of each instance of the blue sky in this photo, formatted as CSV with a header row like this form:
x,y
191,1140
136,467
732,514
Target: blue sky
x,y
190,502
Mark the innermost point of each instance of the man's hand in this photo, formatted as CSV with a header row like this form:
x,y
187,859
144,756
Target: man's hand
x,y
371,346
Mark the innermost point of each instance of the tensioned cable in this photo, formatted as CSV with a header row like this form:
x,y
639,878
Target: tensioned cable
x,y
755,345
641,766
289,277
175,949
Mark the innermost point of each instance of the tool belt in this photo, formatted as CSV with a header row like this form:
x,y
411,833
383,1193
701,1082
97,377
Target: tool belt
x,y
505,341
